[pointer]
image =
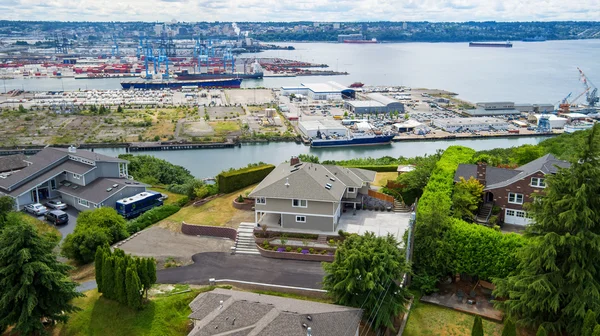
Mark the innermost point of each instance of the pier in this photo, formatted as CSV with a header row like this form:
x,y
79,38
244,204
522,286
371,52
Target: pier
x,y
165,147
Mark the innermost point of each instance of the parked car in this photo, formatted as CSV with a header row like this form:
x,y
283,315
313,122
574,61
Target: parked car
x,y
36,209
57,217
56,205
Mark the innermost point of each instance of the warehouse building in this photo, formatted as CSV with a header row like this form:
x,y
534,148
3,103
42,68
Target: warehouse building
x,y
470,124
309,128
534,108
320,91
493,109
409,126
555,121
378,103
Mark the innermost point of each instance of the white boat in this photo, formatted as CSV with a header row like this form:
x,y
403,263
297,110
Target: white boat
x,y
571,128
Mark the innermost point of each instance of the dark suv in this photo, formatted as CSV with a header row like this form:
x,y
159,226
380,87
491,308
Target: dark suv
x,y
57,217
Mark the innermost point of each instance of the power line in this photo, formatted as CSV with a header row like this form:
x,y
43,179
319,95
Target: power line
x,y
378,298
379,306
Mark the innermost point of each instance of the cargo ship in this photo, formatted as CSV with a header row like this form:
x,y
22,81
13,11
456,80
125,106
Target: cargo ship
x,y
177,84
352,140
257,73
491,44
361,41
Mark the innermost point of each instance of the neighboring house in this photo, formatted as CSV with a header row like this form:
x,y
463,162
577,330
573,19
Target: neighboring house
x,y
509,189
82,179
309,196
11,163
223,312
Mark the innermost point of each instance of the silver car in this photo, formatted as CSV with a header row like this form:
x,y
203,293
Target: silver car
x,y
56,205
36,209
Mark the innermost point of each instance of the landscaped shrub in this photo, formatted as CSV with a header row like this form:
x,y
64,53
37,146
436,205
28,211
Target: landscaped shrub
x,y
288,249
150,217
299,249
240,178
380,168
311,250
183,201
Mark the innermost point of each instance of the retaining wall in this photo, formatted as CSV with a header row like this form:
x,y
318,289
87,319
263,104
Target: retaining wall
x,y
294,255
211,231
247,205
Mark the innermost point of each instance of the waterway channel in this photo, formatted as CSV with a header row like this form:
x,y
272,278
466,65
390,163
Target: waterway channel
x,y
209,162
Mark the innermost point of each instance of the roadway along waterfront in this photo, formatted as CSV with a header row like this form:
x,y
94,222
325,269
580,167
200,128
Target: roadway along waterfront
x,y
209,162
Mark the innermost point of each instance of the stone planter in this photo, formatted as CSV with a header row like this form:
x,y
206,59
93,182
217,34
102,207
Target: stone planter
x,y
247,205
294,255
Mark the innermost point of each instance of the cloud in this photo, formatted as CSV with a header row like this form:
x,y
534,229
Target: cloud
x,y
300,10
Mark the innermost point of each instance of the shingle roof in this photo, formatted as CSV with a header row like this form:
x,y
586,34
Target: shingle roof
x,y
308,181
493,174
91,155
266,315
96,191
69,166
12,162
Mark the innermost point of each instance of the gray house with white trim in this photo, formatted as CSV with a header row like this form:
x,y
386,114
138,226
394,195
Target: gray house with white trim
x,y
80,178
308,196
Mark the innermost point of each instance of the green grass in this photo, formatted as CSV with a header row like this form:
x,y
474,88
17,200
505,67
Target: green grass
x,y
224,127
173,198
162,316
382,178
428,319
41,226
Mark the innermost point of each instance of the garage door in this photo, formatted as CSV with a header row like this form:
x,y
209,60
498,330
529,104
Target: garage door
x,y
517,217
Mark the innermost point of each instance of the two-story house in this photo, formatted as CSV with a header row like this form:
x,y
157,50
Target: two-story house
x,y
509,189
82,179
308,196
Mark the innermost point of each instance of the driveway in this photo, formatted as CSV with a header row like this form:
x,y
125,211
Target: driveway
x,y
381,223
64,229
308,274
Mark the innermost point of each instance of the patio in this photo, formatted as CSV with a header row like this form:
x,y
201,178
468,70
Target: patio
x,y
379,222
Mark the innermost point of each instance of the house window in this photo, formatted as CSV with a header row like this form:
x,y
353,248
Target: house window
x,y
84,203
351,189
538,182
521,214
515,198
261,200
77,176
510,213
300,219
298,203
53,184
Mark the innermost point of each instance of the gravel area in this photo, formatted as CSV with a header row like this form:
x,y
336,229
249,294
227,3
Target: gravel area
x,y
163,244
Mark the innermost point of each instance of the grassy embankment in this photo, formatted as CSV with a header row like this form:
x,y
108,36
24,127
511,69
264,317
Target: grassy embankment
x,y
382,178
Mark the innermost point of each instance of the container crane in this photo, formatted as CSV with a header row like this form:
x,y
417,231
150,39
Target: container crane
x,y
115,46
591,91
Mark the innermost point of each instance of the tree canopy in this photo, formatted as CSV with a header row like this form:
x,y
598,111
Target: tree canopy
x,y
366,273
35,286
152,170
466,198
557,278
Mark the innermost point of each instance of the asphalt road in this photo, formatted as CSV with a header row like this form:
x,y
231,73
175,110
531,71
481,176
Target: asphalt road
x,y
218,265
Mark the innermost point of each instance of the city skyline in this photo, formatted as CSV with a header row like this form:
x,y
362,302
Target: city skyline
x,y
302,10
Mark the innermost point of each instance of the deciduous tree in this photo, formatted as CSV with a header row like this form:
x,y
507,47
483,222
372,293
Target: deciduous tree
x,y
34,285
557,278
366,273
466,198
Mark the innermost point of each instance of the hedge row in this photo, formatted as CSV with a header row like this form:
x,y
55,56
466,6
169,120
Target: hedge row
x,y
150,217
240,178
377,168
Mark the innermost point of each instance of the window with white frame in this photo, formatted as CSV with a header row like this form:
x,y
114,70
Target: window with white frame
x,y
538,182
521,214
77,176
515,198
351,189
510,213
301,219
298,203
84,203
261,200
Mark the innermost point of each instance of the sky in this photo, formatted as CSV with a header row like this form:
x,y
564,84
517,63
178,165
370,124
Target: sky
x,y
300,10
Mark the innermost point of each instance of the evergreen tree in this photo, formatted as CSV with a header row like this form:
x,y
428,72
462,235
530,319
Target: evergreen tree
x,y
142,271
596,331
98,261
120,269
34,285
151,271
509,328
477,327
541,332
589,322
133,287
108,276
557,278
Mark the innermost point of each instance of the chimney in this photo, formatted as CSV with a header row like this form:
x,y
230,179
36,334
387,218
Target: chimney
x,y
72,149
294,160
287,181
481,172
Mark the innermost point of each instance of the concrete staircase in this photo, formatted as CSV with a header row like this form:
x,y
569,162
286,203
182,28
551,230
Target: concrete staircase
x,y
322,239
244,243
484,213
400,207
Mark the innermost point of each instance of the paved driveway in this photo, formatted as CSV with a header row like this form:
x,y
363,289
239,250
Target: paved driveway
x,y
217,265
381,223
66,228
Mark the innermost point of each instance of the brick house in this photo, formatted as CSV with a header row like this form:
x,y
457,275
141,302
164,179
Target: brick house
x,y
510,189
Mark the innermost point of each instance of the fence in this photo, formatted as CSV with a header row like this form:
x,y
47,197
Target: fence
x,y
381,196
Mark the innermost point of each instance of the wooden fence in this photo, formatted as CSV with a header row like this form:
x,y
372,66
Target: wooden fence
x,y
381,196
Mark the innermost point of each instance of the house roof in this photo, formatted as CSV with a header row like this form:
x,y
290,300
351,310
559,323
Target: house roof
x,y
12,162
97,191
308,181
502,177
244,313
91,155
68,166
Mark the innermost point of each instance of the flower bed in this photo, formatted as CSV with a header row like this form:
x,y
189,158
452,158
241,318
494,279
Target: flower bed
x,y
281,252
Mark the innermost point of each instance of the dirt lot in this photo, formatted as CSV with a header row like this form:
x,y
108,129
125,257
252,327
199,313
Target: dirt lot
x,y
249,96
220,112
197,128
164,245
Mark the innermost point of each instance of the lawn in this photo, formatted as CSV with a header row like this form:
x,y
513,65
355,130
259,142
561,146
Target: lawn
x,y
382,178
428,319
164,316
173,198
41,226
218,212
224,127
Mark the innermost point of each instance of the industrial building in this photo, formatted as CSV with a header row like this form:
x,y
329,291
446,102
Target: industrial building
x,y
309,128
409,126
320,91
470,124
535,108
492,109
555,121
378,103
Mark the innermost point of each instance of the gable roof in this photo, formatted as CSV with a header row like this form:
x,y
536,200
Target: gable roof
x,y
493,175
91,155
97,191
244,313
308,180
67,166
12,162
